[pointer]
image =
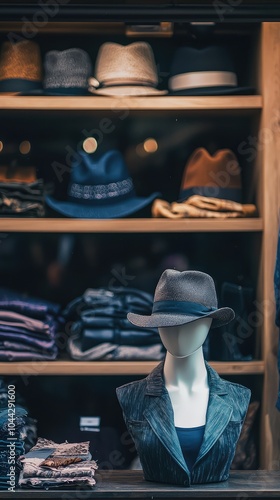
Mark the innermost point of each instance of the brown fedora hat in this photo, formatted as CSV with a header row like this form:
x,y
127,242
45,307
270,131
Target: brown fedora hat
x,y
20,67
215,176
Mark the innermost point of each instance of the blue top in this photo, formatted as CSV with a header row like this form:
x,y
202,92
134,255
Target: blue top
x,y
190,440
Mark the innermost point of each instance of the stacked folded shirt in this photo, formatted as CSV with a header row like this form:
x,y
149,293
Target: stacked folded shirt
x,y
12,421
53,465
100,329
28,328
21,193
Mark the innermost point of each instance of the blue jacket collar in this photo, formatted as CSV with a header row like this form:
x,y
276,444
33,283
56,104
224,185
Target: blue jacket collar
x,y
159,414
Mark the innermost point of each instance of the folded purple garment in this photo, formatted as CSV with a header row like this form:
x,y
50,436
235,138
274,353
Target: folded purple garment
x,y
47,333
26,356
29,340
6,345
35,308
10,318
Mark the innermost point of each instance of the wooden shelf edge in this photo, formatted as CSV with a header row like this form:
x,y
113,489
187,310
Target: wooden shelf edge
x,y
129,225
95,103
34,368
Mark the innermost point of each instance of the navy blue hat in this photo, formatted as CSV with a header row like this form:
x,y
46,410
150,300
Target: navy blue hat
x,y
207,71
100,189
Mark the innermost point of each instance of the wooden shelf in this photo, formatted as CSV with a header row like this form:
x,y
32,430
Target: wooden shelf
x,y
26,368
129,225
100,103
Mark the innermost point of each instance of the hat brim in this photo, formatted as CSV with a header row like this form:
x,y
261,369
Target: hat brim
x,y
128,90
214,91
59,92
220,317
19,85
112,211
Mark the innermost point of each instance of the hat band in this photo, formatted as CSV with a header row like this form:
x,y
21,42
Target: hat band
x,y
200,79
181,307
101,192
233,194
123,82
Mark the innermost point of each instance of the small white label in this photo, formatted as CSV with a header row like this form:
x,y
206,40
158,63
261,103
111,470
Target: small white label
x,y
89,421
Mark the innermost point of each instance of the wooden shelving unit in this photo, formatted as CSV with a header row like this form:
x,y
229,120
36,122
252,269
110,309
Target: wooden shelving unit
x,y
158,103
129,225
266,108
26,368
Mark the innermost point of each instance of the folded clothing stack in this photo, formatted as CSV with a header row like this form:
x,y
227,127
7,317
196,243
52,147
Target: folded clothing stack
x,y
28,328
21,193
29,430
100,328
11,445
52,465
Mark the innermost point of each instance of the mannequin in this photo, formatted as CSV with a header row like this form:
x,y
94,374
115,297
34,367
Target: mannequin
x,y
185,420
185,373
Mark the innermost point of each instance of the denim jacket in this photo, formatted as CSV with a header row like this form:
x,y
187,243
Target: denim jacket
x,y
149,418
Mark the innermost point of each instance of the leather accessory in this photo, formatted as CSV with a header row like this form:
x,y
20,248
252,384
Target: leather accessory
x,y
200,206
204,71
125,70
183,297
100,188
20,67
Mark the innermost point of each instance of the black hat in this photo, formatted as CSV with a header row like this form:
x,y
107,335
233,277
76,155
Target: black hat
x,y
207,71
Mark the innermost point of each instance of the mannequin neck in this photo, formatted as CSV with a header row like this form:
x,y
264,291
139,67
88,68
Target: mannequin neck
x,y
189,370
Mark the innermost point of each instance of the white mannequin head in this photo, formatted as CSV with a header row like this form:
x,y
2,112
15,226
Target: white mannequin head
x,y
182,341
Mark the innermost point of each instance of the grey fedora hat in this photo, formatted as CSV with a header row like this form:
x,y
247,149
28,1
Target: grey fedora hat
x,y
183,297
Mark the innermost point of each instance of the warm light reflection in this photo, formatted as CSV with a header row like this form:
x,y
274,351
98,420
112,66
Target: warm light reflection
x,y
1,146
25,147
150,145
90,145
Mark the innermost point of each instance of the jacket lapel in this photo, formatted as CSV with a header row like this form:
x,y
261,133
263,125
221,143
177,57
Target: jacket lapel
x,y
159,414
219,412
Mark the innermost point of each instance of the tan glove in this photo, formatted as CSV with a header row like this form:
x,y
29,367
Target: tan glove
x,y
202,206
